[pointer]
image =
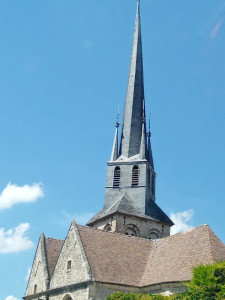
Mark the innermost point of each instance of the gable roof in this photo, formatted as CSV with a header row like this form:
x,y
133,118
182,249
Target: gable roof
x,y
53,249
120,259
172,258
126,260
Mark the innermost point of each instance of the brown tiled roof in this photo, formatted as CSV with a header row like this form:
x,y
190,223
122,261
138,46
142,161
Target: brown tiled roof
x,y
127,260
120,259
172,258
113,257
53,248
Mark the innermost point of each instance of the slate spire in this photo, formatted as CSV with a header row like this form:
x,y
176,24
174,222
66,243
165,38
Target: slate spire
x,y
130,181
132,118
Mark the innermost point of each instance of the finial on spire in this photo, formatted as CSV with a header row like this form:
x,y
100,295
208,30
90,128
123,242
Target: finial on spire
x,y
138,8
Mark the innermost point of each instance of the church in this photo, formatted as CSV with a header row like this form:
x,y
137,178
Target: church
x,y
126,246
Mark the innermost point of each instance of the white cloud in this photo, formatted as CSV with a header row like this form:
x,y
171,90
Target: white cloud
x,y
28,274
181,220
15,239
13,194
11,298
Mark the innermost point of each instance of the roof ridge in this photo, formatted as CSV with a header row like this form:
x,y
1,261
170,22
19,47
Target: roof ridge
x,y
115,233
189,230
210,243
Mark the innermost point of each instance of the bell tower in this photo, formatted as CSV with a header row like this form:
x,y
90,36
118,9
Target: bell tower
x,y
129,205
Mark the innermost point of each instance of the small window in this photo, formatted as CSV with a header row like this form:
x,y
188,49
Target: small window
x,y
116,179
135,176
69,264
35,289
154,236
130,231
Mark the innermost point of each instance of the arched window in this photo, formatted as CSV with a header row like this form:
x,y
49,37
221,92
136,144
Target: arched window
x,y
154,234
130,231
116,179
135,176
67,297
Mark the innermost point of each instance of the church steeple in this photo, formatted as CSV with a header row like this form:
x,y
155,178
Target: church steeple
x,y
132,118
129,205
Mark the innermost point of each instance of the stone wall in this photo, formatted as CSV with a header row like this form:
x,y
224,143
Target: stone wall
x,y
72,266
143,227
38,281
81,294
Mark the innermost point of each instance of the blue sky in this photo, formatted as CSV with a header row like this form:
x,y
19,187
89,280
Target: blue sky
x,y
64,69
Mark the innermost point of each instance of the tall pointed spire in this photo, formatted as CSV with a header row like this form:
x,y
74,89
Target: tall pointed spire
x,y
130,182
132,124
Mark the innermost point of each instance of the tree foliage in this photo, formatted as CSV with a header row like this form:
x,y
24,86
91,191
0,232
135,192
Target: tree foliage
x,y
132,296
208,283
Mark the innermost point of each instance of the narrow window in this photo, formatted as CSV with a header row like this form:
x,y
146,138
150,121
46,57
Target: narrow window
x,y
116,179
135,175
69,263
35,289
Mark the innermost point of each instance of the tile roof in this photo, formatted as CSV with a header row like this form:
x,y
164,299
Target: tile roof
x,y
53,249
172,258
114,257
117,258
120,259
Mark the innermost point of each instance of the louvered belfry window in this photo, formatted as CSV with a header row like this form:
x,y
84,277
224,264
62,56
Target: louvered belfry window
x,y
135,176
116,179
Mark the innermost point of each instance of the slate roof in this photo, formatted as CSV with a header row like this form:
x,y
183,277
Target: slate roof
x,y
125,205
53,249
126,260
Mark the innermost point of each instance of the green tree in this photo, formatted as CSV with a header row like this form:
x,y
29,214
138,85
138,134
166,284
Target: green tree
x,y
208,282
